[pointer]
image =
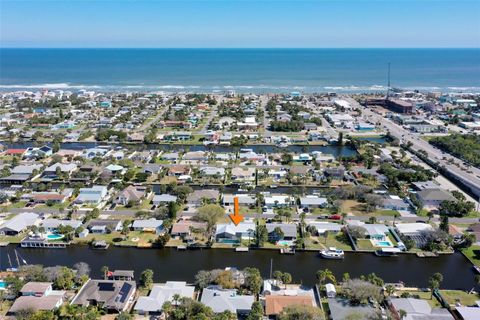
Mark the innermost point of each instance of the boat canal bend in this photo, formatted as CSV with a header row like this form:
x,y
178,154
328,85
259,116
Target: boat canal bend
x,y
170,264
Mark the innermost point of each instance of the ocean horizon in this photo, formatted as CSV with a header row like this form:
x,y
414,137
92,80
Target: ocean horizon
x,y
240,69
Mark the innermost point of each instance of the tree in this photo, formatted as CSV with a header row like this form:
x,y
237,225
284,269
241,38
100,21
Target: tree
x,y
65,279
260,235
324,276
402,313
210,214
162,240
357,232
277,275
82,269
203,278
359,291
389,289
104,270
300,312
286,278
124,316
253,280
278,232
146,278
444,225
434,282
256,312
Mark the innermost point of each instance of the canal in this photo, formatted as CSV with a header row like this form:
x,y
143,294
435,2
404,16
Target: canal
x,y
170,264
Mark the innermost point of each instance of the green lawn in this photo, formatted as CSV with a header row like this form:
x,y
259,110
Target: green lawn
x,y
434,303
12,239
473,254
365,244
454,296
333,240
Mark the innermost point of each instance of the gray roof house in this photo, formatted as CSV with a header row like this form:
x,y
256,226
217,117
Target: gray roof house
x,y
221,300
341,309
163,198
289,231
104,225
313,202
18,223
53,224
111,295
432,198
162,293
197,196
212,171
148,225
93,195
26,169
419,309
37,296
243,199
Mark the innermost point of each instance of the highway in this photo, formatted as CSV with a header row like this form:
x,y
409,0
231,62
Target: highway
x,y
468,174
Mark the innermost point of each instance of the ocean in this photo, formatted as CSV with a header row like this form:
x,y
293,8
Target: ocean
x,y
243,70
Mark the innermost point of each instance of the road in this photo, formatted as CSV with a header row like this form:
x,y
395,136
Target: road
x,y
469,175
147,124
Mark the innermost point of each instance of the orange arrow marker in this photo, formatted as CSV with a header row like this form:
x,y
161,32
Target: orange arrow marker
x,y
236,217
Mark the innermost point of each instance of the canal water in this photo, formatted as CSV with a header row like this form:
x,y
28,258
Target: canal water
x,y
170,264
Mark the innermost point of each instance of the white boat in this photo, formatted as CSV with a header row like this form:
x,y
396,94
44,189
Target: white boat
x,y
332,253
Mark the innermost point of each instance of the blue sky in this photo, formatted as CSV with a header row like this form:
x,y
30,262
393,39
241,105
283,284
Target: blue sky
x,y
240,23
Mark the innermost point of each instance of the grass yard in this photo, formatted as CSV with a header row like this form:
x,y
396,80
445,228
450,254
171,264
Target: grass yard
x,y
12,239
365,244
434,303
454,296
473,254
333,240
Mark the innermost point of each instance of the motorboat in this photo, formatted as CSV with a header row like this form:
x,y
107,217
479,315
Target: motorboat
x,y
332,253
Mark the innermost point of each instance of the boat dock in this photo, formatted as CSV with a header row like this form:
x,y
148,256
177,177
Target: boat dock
x,y
241,249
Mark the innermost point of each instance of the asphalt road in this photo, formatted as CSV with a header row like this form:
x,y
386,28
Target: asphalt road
x,y
452,164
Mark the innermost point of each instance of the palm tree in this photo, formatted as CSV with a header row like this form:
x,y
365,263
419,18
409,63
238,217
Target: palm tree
x,y
176,298
389,289
326,275
344,215
104,271
395,216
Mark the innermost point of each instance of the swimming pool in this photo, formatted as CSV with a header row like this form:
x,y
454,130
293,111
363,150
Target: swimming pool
x,y
3,285
383,243
54,236
284,243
